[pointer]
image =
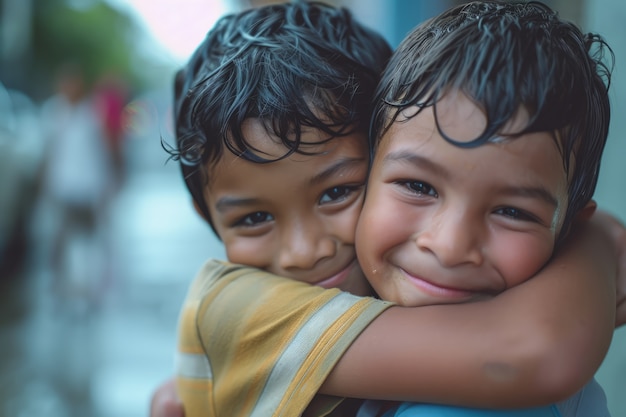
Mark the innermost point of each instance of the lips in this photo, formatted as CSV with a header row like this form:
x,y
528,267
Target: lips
x,y
435,290
337,279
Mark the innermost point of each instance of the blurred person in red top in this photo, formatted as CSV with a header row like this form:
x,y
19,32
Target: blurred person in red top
x,y
111,96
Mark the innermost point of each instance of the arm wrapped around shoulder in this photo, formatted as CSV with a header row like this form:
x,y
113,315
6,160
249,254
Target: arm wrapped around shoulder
x,y
532,345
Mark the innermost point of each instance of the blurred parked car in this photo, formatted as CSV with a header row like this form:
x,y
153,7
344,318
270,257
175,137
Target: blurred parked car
x,y
21,152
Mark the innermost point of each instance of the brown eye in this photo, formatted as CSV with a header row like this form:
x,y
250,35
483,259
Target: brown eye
x,y
420,187
255,219
515,214
336,193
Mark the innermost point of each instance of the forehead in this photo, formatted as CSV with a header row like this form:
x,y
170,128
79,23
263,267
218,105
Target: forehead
x,y
462,120
315,152
265,144
456,118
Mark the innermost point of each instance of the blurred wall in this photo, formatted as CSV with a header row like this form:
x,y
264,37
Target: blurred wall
x,y
607,17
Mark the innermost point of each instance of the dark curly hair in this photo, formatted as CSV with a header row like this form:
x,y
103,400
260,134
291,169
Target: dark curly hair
x,y
505,56
294,65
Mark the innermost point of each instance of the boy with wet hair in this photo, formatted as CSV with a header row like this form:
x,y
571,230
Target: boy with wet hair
x,y
490,123
281,183
272,113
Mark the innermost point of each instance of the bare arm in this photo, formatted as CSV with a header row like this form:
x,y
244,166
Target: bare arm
x,y
534,344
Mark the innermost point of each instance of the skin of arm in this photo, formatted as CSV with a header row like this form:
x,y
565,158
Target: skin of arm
x,y
523,348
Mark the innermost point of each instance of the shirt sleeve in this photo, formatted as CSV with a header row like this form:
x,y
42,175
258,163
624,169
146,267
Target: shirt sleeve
x,y
271,341
438,410
589,401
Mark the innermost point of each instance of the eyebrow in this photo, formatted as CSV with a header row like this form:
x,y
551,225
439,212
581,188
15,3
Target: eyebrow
x,y
417,160
536,192
225,203
531,192
343,164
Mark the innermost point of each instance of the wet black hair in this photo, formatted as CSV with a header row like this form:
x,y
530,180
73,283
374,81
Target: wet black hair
x,y
506,56
293,66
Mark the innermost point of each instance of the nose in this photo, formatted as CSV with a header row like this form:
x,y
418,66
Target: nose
x,y
454,238
304,244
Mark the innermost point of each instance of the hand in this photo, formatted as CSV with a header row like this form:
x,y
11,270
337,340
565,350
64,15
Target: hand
x,y
165,401
617,232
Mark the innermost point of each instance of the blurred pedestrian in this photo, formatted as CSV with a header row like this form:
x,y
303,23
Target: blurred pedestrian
x,y
77,182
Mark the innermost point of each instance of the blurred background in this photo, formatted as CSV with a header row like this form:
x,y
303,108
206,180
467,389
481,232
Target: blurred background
x,y
99,240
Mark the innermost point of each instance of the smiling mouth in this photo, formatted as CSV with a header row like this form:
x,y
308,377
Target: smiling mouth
x,y
337,279
437,290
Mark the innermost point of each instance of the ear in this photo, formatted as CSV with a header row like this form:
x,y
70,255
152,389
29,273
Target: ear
x,y
586,212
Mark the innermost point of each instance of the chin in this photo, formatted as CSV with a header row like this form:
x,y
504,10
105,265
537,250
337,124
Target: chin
x,y
422,300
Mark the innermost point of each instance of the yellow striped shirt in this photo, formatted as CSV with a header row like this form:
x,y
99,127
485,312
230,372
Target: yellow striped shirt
x,y
254,344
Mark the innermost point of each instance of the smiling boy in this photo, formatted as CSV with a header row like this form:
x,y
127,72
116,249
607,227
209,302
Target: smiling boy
x,y
483,160
438,227
303,227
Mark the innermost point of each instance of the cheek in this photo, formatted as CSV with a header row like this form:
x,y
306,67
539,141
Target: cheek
x,y
252,252
344,224
519,258
380,228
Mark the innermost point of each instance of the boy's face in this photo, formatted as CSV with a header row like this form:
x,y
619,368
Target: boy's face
x,y
295,217
443,224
